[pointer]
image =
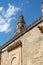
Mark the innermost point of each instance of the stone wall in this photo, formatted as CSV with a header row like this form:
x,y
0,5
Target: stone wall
x,y
32,48
5,58
15,56
12,57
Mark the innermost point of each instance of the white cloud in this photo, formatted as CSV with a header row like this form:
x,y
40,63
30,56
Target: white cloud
x,y
12,10
4,27
6,17
2,21
1,8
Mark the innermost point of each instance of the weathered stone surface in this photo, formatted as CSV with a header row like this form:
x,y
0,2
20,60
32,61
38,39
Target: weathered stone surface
x,y
31,52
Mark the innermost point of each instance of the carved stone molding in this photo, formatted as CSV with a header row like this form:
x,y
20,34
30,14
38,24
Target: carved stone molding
x,y
15,45
41,28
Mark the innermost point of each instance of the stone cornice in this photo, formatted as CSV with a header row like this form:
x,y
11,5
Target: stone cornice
x,y
15,45
11,46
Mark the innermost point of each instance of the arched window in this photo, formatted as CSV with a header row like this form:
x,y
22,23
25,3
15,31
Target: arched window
x,y
14,61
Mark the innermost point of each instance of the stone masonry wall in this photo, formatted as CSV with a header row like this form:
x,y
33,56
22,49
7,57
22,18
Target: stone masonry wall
x,y
5,58
32,48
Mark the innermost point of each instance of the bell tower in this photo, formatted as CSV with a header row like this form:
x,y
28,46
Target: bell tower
x,y
21,25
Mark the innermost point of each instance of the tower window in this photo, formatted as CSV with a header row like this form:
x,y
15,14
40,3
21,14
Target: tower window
x,y
22,25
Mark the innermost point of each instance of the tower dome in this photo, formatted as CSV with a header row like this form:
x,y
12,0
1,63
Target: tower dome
x,y
21,19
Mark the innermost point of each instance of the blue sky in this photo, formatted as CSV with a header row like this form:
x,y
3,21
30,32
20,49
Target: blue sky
x,y
10,11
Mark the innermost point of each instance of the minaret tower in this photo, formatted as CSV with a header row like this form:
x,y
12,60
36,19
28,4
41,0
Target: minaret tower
x,y
21,25
42,8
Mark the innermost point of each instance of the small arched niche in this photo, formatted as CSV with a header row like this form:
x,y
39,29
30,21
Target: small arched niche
x,y
14,61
